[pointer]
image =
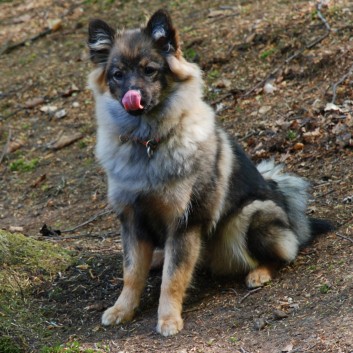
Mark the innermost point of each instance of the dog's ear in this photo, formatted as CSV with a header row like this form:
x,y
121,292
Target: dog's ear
x,y
160,28
100,41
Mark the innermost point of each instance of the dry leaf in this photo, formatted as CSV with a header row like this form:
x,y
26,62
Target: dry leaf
x,y
15,229
60,114
65,140
55,24
287,348
298,146
31,103
331,106
269,88
48,109
312,135
14,146
264,109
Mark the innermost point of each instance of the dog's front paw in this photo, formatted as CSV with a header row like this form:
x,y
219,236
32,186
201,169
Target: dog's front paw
x,y
258,277
116,315
170,326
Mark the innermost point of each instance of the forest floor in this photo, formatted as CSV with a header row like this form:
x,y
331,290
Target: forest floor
x,y
280,76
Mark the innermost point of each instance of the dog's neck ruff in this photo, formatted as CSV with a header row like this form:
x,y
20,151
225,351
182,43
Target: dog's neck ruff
x,y
151,145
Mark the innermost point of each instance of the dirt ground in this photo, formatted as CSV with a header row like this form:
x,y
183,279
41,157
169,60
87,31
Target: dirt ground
x,y
301,116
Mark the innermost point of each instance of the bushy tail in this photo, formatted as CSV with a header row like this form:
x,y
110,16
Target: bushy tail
x,y
295,191
320,227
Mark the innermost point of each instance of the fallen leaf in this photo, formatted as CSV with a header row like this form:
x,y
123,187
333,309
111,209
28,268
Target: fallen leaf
x,y
14,146
16,229
60,114
70,91
331,106
311,135
31,103
65,140
298,146
269,88
55,24
48,109
21,19
83,267
287,348
264,109
100,306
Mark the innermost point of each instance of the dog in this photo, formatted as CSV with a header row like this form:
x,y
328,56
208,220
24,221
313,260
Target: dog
x,y
177,181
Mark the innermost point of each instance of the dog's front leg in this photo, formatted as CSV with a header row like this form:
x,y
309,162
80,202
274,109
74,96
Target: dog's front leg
x,y
181,254
137,261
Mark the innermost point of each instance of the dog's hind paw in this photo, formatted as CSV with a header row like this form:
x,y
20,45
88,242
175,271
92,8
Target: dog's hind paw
x,y
258,277
116,315
169,326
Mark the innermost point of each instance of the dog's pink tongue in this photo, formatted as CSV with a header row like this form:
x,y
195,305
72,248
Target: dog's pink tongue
x,y
132,100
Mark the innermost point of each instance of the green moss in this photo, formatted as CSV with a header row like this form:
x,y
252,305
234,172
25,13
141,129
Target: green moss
x,y
291,135
32,255
25,264
73,347
7,345
268,52
21,165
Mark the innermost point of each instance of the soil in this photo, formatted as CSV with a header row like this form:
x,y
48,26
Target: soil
x,y
49,174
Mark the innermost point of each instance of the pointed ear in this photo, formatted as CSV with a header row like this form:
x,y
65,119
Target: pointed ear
x,y
160,28
100,41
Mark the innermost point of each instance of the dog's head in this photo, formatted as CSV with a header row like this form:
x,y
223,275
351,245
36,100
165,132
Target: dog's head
x,y
136,65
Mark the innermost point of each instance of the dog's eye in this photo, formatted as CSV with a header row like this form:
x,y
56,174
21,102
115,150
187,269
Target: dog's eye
x,y
150,71
118,75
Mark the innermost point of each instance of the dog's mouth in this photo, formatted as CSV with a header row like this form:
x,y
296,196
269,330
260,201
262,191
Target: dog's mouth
x,y
132,102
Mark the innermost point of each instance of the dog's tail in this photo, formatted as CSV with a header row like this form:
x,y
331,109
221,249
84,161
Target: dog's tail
x,y
295,192
320,226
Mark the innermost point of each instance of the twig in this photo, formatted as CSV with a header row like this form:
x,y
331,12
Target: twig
x,y
87,222
251,133
9,48
325,193
106,235
249,293
219,18
343,237
191,310
12,47
242,350
342,79
296,54
5,149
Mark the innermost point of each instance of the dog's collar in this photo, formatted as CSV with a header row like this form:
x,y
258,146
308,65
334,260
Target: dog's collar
x,y
151,145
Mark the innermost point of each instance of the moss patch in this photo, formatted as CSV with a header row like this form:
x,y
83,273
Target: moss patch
x,y
25,265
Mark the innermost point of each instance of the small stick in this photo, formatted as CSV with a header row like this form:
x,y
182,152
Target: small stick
x,y
23,42
87,222
343,237
249,293
342,79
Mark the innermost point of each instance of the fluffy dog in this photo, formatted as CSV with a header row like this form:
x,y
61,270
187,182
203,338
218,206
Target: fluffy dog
x,y
176,180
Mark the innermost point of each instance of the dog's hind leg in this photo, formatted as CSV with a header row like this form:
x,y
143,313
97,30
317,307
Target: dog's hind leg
x,y
271,242
181,254
158,259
